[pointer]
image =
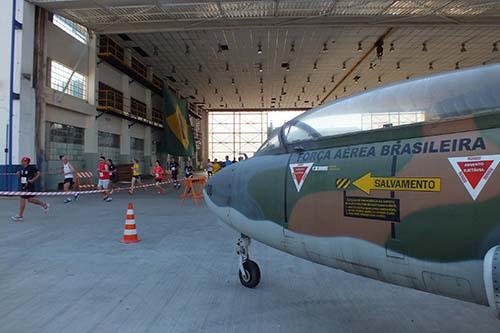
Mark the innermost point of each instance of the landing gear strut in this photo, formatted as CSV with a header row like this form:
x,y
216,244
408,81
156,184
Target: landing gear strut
x,y
249,271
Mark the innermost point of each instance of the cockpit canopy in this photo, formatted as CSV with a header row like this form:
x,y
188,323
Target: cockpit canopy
x,y
441,96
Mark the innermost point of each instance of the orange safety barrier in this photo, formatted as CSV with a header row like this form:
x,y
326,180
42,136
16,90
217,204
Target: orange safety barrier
x,y
88,179
193,188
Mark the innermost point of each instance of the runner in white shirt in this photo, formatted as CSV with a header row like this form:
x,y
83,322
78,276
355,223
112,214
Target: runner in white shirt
x,y
69,177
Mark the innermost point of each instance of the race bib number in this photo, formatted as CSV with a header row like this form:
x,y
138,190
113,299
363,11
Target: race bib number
x,y
24,180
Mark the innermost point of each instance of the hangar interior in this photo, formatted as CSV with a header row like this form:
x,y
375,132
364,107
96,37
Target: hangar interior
x,y
93,70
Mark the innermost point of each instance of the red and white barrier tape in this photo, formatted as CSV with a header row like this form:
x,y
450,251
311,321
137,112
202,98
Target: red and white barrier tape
x,y
19,193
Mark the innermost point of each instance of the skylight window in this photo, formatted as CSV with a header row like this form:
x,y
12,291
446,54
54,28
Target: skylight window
x,y
76,30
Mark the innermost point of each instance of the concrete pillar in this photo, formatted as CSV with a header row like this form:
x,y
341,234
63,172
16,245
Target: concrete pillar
x,y
204,138
124,142
148,138
92,75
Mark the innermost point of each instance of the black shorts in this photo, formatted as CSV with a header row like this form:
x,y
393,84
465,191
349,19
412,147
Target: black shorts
x,y
174,175
27,189
136,177
69,180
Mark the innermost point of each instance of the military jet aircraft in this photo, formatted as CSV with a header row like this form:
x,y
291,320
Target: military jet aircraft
x,y
415,205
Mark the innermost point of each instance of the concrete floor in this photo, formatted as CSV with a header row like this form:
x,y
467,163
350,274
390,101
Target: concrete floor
x,y
67,272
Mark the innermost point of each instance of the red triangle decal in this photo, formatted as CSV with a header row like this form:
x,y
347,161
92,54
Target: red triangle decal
x,y
474,171
299,172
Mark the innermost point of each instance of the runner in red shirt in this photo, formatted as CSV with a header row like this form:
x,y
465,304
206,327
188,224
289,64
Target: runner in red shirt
x,y
103,184
158,174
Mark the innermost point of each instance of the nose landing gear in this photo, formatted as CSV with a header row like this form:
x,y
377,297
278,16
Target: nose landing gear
x,y
249,271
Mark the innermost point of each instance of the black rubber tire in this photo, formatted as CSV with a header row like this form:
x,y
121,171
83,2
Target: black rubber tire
x,y
253,273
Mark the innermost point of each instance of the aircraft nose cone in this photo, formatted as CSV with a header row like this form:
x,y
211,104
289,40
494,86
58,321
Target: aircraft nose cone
x,y
218,188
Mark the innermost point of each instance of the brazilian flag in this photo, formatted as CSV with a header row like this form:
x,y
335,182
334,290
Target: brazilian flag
x,y
178,136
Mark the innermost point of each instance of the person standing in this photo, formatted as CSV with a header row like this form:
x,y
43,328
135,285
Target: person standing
x,y
216,166
69,178
188,169
210,168
136,175
113,176
103,184
228,162
174,170
158,173
27,177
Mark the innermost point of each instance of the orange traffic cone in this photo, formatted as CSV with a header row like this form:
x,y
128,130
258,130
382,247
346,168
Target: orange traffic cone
x,y
130,232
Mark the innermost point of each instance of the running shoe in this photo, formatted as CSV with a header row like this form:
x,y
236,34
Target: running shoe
x,y
16,218
77,196
68,200
46,209
108,199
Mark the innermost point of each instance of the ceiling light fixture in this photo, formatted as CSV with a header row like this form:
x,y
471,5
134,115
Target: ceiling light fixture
x,y
303,90
239,98
463,49
345,89
292,48
261,68
187,50
495,47
262,98
398,65
260,80
371,66
379,79
221,99
424,47
360,47
287,67
324,89
457,65
216,91
308,79
298,97
343,66
317,97
232,81
236,91
315,67
295,104
261,90
227,67
333,79
259,51
431,66
364,88
284,79
392,47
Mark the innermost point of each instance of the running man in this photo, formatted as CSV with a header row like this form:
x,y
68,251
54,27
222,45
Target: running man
x,y
103,184
158,174
216,166
174,169
27,177
188,170
136,175
69,178
113,176
210,168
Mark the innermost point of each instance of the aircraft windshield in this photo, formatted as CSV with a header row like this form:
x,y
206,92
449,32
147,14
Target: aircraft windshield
x,y
440,96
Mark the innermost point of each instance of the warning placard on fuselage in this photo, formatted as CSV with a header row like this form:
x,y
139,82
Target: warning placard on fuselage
x,y
385,209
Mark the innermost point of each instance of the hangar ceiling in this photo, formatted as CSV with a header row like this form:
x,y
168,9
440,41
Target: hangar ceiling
x,y
287,54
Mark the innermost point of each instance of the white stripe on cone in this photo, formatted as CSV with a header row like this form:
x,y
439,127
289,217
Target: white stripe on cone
x,y
129,232
130,212
130,222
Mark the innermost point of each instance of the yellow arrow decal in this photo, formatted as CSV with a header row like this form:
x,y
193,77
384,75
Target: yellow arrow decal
x,y
368,183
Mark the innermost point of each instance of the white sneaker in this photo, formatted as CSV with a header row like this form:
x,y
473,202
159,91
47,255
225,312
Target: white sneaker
x,y
68,200
16,218
108,199
77,196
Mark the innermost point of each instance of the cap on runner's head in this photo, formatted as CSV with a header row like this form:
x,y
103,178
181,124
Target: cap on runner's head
x,y
26,159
